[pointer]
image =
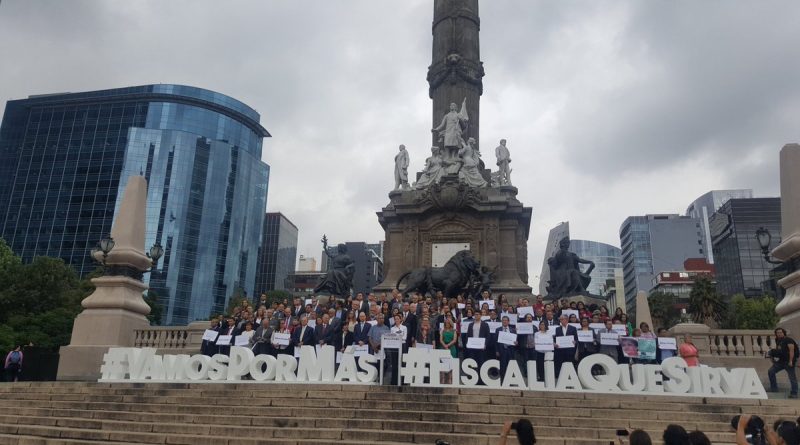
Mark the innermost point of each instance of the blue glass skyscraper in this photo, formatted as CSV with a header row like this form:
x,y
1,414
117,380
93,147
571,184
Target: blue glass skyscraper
x,y
65,160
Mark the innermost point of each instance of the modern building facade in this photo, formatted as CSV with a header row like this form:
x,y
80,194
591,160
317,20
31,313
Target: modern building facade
x,y
65,160
368,264
704,207
277,255
740,265
306,264
680,283
606,258
656,243
556,234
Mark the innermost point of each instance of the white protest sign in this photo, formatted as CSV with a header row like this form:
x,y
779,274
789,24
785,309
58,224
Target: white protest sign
x,y
461,305
209,334
282,339
577,326
312,324
224,340
609,339
494,325
565,341
523,311
424,346
485,317
543,342
489,303
476,343
308,301
620,329
242,340
358,351
392,341
586,336
465,327
570,312
506,338
373,322
596,326
524,328
667,343
552,330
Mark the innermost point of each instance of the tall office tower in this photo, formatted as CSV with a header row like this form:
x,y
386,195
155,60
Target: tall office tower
x,y
556,234
306,264
703,207
277,255
606,258
740,265
65,160
655,243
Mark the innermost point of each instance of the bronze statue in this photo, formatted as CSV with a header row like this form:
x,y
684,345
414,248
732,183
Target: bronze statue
x,y
339,280
566,277
450,279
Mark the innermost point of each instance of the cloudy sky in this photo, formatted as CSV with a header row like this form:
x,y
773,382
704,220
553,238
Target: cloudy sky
x,y
610,108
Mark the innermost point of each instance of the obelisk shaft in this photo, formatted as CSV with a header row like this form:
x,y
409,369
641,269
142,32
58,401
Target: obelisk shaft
x,y
456,71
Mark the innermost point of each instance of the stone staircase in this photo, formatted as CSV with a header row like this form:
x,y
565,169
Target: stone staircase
x,y
50,413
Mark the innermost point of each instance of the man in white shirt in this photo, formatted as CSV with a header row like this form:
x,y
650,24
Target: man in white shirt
x,y
393,354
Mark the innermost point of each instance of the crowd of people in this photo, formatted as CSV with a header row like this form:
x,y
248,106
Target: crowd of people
x,y
750,430
480,329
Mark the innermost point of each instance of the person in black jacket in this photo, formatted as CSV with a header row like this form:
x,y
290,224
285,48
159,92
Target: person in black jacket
x,y
505,352
303,335
563,355
324,331
478,329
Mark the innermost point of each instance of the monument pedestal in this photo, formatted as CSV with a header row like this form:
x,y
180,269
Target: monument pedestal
x,y
446,216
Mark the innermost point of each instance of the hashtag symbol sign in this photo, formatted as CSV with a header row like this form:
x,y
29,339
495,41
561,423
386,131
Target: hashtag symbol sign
x,y
115,364
415,366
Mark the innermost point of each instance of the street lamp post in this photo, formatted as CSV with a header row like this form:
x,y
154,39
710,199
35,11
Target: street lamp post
x,y
764,239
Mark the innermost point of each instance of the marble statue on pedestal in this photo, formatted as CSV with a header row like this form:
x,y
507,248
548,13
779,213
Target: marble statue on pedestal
x,y
503,159
566,278
450,132
469,172
401,169
433,170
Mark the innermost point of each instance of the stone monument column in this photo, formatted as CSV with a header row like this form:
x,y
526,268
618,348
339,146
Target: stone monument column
x,y
456,71
116,308
789,249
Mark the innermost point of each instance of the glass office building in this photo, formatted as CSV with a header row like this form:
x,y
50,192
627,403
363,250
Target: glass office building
x,y
606,258
277,255
65,160
740,264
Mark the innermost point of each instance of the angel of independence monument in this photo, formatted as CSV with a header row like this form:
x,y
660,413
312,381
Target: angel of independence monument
x,y
455,203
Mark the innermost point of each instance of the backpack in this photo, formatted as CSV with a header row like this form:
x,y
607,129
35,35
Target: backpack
x,y
16,357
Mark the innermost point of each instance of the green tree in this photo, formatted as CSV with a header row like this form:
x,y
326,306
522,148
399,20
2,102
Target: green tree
x,y
277,296
38,301
663,310
751,313
705,304
151,298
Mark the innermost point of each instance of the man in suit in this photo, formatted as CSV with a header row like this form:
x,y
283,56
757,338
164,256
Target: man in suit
x,y
286,321
410,322
505,352
260,341
304,335
324,331
563,355
478,329
361,330
298,308
230,329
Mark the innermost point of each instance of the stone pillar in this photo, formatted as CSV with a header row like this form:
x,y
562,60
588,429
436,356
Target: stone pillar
x,y
456,71
643,310
116,307
789,250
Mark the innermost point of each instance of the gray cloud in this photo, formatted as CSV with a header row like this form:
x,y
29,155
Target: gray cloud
x,y
610,108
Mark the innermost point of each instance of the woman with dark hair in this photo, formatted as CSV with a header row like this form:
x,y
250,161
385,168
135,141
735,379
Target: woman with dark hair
x,y
639,437
524,429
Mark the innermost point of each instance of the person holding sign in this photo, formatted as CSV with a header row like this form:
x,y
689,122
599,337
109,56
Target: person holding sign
x,y
666,345
303,335
281,341
343,338
394,362
609,340
260,342
229,331
424,336
506,344
587,344
477,329
563,353
543,343
361,330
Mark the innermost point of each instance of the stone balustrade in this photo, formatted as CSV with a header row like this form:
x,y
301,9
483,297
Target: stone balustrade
x,y
171,339
740,343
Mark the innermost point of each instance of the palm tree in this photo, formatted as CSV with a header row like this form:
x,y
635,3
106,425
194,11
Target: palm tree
x,y
705,303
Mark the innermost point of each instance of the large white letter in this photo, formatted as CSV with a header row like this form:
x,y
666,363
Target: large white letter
x,y
219,367
239,363
469,370
315,368
631,379
568,378
674,368
197,367
284,370
175,366
653,378
513,377
347,369
367,363
533,381
258,363
606,382
751,385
